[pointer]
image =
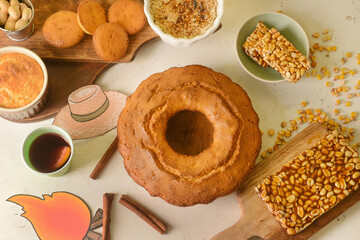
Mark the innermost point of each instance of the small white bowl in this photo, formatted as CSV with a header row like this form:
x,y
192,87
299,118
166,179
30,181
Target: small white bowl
x,y
183,42
38,103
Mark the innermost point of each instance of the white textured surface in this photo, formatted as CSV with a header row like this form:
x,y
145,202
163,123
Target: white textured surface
x,y
273,102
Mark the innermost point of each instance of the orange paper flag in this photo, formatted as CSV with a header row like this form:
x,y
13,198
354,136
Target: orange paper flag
x,y
57,217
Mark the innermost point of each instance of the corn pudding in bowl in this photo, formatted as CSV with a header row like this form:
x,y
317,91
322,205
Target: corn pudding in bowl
x,y
183,22
23,83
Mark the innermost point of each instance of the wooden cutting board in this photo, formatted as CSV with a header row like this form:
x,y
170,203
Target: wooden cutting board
x,y
255,219
81,52
64,78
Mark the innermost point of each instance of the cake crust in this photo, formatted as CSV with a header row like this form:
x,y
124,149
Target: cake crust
x,y
21,80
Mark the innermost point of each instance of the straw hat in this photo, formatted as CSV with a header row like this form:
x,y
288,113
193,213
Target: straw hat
x,y
91,112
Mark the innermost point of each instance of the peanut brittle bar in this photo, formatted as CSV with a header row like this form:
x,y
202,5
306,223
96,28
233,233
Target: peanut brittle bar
x,y
249,45
312,183
281,55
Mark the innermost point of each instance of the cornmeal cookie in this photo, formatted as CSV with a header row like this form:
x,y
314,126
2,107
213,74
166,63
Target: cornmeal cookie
x,y
90,15
62,29
129,14
110,41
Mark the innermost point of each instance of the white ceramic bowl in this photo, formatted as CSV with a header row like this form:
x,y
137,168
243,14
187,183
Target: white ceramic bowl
x,y
37,104
184,42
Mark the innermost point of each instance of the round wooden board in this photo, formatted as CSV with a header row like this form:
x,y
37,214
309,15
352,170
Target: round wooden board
x,y
82,51
64,78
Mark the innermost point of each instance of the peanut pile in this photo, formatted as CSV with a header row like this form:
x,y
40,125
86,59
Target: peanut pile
x,y
14,15
307,115
312,183
268,47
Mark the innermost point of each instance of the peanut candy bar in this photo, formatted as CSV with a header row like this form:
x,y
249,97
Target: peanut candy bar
x,y
312,183
281,55
249,45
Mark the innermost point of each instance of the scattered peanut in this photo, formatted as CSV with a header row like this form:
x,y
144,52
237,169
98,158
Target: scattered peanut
x,y
347,104
316,35
329,84
326,38
271,132
348,55
352,72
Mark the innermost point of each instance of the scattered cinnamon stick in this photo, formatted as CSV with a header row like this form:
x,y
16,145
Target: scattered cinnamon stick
x,y
107,200
104,159
144,214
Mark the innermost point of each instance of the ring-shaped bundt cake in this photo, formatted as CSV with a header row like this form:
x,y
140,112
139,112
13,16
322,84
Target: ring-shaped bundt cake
x,y
189,135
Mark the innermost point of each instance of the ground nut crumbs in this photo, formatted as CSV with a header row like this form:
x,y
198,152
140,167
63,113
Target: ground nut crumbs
x,y
184,18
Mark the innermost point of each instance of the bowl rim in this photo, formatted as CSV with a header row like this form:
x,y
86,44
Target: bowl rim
x,y
269,13
168,38
49,129
34,56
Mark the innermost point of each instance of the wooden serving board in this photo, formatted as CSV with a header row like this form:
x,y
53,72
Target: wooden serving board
x,y
81,52
64,78
256,220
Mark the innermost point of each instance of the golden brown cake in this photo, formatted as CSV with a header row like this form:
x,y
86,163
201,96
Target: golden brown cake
x,y
21,80
189,135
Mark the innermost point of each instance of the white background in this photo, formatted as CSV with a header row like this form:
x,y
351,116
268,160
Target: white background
x,y
273,102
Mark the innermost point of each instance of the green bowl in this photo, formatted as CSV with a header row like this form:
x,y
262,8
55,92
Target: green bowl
x,y
287,26
36,133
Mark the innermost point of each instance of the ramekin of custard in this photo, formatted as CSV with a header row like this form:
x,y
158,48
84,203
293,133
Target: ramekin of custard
x,y
23,83
183,22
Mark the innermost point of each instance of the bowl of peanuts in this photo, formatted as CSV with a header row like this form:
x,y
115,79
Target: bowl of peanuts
x,y
16,19
280,57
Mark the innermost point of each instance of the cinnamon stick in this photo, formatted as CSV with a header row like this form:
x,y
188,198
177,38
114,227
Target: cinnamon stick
x,y
144,214
104,159
107,200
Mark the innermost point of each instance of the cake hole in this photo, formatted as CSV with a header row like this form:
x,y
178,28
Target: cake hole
x,y
189,132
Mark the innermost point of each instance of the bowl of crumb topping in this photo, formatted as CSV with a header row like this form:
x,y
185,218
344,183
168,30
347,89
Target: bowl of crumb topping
x,y
183,22
23,83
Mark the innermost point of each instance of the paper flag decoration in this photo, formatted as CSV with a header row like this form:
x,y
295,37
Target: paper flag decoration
x,y
58,216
